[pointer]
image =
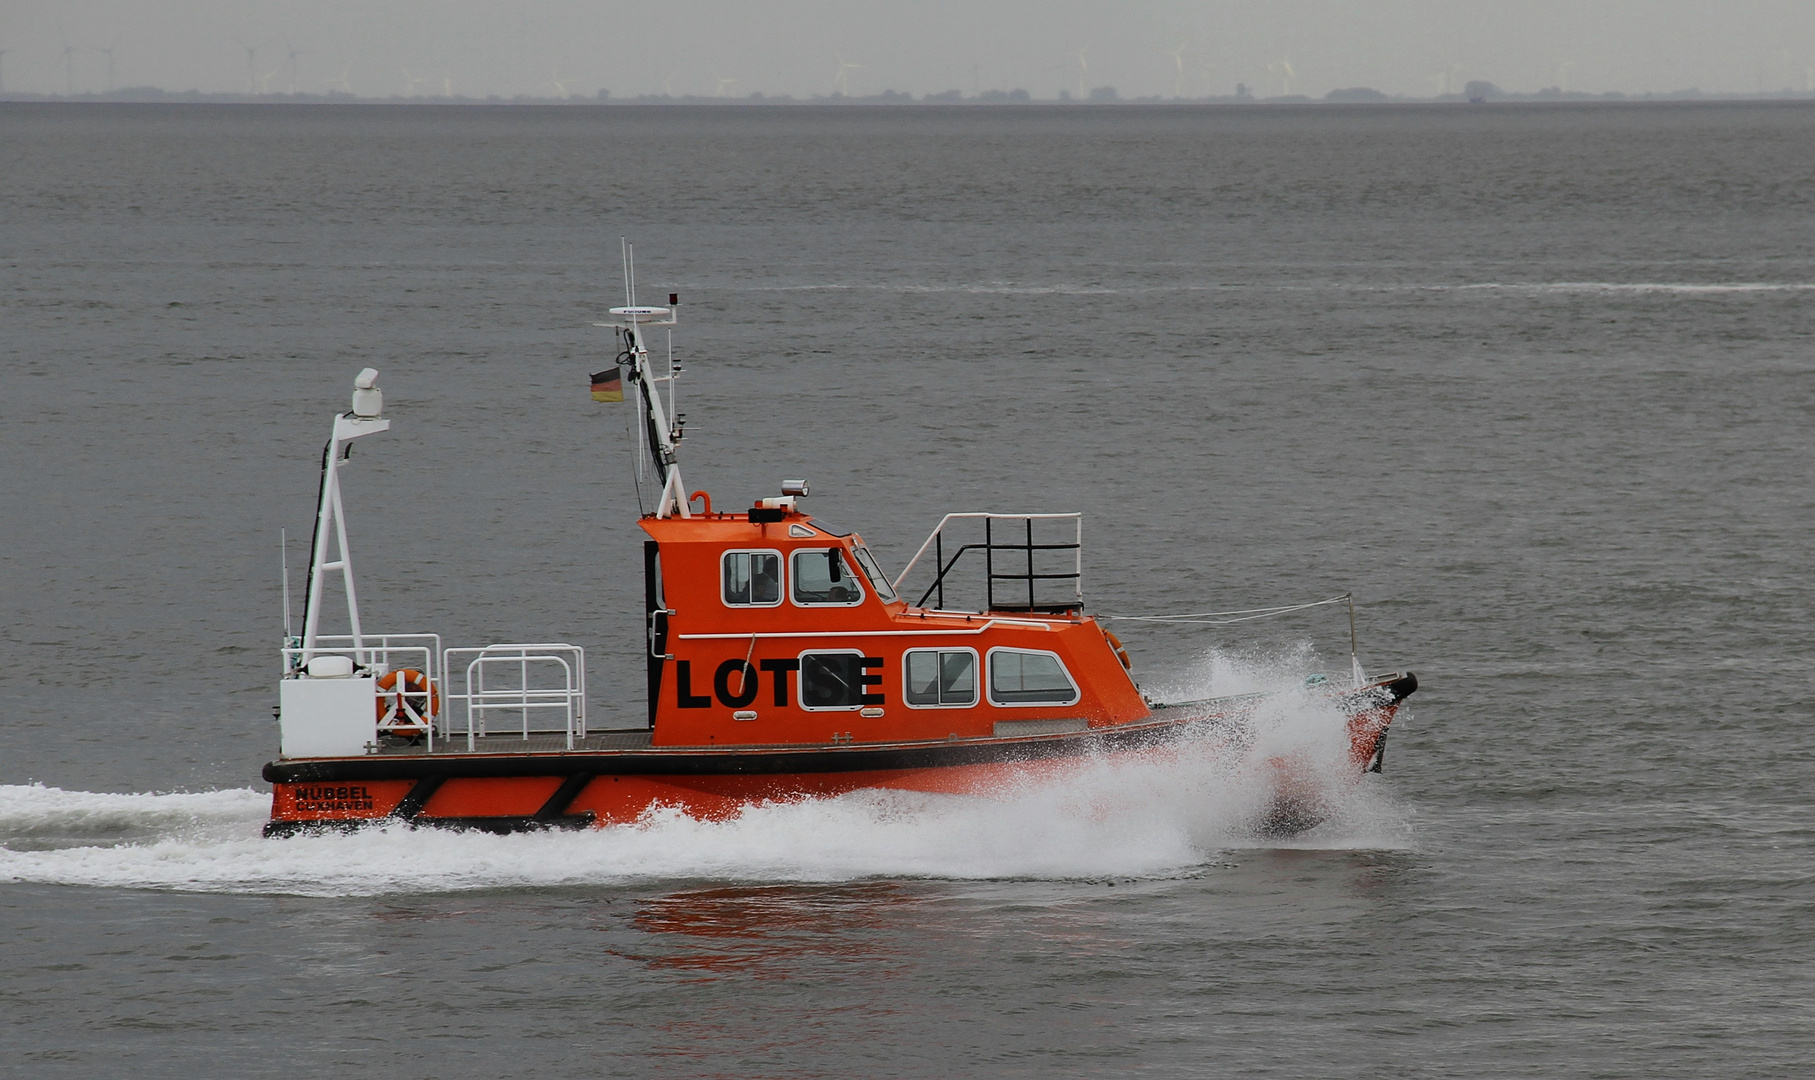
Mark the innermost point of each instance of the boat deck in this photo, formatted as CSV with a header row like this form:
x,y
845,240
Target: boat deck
x,y
538,742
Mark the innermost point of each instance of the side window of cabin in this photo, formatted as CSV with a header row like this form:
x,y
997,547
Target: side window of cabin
x,y
839,680
752,578
941,677
1025,677
878,580
821,576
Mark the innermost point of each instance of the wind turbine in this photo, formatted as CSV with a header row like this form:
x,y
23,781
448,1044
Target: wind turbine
x,y
3,53
1083,73
668,84
290,55
447,86
557,84
725,84
251,64
69,69
345,87
108,52
1178,68
1283,68
841,79
69,62
1563,69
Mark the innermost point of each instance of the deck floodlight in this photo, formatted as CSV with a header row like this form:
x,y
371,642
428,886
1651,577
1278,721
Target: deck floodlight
x,y
797,488
368,399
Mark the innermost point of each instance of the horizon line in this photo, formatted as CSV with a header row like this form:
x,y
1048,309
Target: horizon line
x,y
1102,97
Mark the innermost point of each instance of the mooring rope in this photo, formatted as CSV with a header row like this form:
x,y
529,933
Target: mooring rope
x,y
1225,618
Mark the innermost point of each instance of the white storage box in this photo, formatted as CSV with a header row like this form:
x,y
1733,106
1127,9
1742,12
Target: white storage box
x,y
334,717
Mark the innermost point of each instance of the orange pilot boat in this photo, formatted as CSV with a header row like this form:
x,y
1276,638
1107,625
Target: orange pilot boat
x,y
782,663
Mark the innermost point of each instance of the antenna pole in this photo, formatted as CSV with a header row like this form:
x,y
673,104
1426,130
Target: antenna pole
x,y
624,253
283,562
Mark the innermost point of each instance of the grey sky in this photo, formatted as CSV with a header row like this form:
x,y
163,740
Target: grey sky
x,y
708,47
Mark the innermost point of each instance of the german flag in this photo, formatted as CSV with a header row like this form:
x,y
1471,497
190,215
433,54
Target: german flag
x,y
608,385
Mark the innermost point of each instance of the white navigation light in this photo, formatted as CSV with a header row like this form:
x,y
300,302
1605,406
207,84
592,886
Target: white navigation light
x,y
368,399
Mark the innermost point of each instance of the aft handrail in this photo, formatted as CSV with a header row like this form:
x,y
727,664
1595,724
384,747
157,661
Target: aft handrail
x,y
569,696
366,649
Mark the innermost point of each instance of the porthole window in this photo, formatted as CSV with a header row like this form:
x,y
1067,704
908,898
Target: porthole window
x,y
823,577
940,677
1026,677
752,578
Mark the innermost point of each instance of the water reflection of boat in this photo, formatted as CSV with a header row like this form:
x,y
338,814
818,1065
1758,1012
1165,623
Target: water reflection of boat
x,y
781,663
724,930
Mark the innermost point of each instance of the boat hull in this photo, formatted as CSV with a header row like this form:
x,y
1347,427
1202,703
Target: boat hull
x,y
513,792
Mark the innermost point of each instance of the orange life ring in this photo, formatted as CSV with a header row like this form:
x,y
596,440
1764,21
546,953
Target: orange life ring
x,y
1120,653
408,701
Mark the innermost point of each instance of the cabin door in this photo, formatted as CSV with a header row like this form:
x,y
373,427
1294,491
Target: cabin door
x,y
655,623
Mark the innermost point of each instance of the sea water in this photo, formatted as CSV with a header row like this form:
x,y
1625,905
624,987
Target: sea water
x,y
1533,382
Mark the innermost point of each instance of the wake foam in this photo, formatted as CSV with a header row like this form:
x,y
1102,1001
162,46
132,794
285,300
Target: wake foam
x,y
1157,814
34,814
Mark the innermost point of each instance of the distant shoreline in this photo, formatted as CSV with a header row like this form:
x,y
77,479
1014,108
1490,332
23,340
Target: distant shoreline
x,y
994,99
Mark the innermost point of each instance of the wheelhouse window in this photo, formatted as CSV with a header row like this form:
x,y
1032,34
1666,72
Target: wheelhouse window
x,y
878,580
752,578
839,680
941,677
821,576
1025,677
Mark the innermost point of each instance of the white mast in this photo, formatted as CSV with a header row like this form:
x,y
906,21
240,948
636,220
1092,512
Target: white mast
x,y
661,431
331,518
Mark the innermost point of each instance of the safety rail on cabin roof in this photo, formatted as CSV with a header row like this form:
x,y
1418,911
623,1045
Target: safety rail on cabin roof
x,y
991,545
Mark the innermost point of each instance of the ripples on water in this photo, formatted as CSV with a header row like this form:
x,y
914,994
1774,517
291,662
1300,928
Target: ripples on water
x,y
1535,383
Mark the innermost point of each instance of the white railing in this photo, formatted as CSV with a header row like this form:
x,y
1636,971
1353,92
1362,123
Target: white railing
x,y
935,542
541,686
388,652
404,711
542,683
